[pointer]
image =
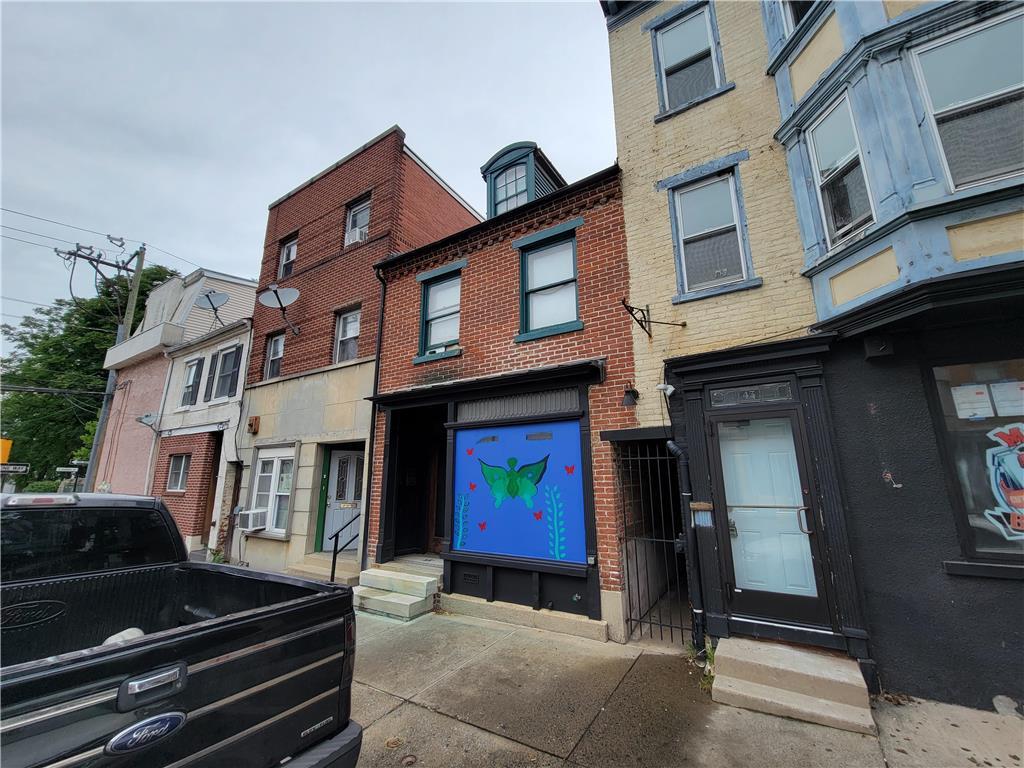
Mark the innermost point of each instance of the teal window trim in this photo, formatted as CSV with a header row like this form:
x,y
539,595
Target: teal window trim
x,y
448,353
549,241
524,156
447,269
551,330
425,289
548,234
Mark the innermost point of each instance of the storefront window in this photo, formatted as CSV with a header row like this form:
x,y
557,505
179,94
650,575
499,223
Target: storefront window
x,y
983,415
519,492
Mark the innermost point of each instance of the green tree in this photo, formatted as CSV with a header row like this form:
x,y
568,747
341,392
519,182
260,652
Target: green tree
x,y
63,346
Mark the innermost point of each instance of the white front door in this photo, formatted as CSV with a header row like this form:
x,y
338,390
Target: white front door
x,y
344,498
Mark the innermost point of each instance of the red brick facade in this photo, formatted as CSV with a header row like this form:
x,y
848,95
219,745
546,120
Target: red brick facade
x,y
407,208
191,507
489,323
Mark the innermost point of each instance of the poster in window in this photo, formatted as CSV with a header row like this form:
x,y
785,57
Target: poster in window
x,y
1006,474
519,492
971,401
1008,397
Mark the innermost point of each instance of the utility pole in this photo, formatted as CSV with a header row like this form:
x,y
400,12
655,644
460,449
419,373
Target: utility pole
x,y
124,330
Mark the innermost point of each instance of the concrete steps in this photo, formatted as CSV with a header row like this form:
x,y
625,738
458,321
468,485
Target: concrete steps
x,y
430,567
395,593
791,681
318,568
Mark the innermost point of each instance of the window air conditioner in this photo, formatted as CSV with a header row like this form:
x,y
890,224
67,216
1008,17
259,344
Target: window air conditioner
x,y
356,236
252,520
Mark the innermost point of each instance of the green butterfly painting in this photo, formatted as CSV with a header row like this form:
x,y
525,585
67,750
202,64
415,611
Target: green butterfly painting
x,y
514,483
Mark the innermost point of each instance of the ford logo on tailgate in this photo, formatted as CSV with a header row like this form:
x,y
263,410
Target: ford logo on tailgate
x,y
21,615
145,732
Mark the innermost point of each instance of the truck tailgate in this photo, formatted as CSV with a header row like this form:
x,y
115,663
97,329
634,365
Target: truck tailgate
x,y
246,689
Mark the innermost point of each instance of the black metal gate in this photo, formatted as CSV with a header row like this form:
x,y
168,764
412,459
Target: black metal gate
x,y
657,606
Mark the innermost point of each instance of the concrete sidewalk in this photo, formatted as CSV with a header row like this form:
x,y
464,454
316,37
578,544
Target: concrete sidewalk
x,y
449,691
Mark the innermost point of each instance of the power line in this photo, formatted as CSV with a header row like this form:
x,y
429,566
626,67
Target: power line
x,y
63,324
95,232
47,390
27,242
38,234
26,301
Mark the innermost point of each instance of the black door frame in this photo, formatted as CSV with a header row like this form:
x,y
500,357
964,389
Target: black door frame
x,y
800,361
772,606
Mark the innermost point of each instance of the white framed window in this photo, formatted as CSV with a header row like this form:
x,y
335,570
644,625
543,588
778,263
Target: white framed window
x,y
510,189
793,12
191,382
441,311
289,250
346,333
549,286
843,193
177,471
689,68
711,251
228,362
275,354
973,84
357,223
272,488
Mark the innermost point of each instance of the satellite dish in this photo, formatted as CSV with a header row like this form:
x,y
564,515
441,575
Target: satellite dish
x,y
276,297
212,300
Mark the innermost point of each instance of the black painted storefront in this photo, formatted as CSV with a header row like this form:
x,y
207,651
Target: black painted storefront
x,y
549,394
909,594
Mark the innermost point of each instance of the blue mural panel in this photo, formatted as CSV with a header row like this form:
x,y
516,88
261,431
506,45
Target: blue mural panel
x,y
519,491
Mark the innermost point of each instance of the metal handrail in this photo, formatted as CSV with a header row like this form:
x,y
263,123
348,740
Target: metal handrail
x,y
334,537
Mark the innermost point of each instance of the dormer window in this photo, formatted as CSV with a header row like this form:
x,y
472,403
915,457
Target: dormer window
x,y
510,188
517,175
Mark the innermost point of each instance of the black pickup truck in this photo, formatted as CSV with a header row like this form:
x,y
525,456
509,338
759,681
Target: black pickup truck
x,y
117,651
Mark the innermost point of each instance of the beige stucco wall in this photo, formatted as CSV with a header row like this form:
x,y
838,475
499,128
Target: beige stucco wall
x,y
993,236
873,272
307,412
817,55
894,8
742,119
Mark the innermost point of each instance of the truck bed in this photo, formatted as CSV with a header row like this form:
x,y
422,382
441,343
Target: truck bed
x,y
265,665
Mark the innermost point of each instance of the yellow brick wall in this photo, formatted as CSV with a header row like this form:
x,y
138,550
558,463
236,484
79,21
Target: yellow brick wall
x,y
744,118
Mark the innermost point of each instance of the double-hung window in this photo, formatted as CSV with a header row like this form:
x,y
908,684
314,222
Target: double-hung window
x,y
510,188
548,283
289,250
710,247
357,224
839,173
974,83
440,314
347,337
227,363
274,469
192,380
275,354
794,11
177,471
689,68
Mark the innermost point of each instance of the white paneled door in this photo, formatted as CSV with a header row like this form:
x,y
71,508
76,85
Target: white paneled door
x,y
344,498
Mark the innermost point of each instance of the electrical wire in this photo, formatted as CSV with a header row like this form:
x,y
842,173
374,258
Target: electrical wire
x,y
63,324
37,234
95,232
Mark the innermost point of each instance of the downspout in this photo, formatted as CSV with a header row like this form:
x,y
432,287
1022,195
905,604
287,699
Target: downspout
x,y
692,570
373,419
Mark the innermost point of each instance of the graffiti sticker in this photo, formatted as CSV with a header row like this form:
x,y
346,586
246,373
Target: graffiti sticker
x,y
1005,464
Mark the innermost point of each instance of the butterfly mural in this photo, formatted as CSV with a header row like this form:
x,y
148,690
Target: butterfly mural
x,y
511,483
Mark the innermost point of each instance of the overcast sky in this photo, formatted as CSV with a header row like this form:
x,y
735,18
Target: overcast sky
x,y
179,123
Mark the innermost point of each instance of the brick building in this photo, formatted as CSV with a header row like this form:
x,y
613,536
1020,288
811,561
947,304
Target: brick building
x,y
128,448
842,237
506,357
306,421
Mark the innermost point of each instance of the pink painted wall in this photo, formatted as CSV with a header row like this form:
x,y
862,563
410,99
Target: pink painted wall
x,y
127,444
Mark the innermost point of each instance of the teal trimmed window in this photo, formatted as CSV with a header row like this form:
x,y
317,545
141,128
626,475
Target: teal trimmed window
x,y
517,175
440,306
510,188
548,297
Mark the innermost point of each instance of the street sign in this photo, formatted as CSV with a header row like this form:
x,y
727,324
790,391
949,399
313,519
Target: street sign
x,y
68,470
15,469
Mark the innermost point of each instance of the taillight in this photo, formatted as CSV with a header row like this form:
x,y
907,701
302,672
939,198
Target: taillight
x,y
28,500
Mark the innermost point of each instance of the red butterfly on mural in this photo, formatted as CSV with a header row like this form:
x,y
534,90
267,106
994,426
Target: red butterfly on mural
x,y
537,515
570,469
472,486
469,451
483,525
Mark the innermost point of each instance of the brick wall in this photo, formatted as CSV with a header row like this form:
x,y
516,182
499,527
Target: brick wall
x,y
407,208
490,321
742,119
189,507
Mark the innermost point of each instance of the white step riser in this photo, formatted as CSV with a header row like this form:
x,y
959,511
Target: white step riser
x,y
418,570
776,701
852,693
403,583
390,604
